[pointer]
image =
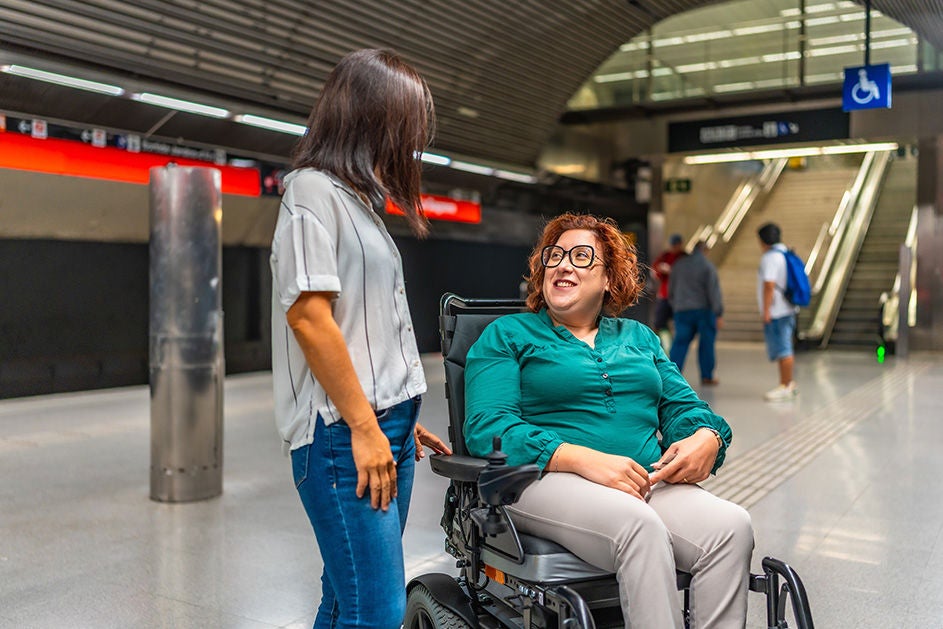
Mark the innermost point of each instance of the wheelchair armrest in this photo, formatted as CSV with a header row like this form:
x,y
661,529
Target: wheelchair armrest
x,y
456,467
502,485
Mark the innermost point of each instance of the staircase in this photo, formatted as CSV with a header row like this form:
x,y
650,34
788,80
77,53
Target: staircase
x,y
876,266
801,201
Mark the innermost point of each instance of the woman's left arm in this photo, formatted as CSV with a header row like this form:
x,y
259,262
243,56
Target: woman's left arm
x,y
695,437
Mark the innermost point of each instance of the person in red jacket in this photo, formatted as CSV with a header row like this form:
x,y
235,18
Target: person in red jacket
x,y
661,269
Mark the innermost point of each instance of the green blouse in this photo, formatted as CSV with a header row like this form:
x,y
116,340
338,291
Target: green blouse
x,y
537,386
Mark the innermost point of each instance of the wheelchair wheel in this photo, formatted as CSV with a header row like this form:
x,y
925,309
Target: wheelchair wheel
x,y
423,611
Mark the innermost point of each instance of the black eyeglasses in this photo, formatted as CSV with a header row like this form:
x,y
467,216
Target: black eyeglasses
x,y
581,256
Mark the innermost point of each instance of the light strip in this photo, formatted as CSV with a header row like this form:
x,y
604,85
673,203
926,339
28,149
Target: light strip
x,y
510,175
805,151
62,79
437,160
858,148
271,124
181,105
472,168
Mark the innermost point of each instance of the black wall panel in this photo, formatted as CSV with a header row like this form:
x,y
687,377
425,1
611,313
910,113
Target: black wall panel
x,y
74,315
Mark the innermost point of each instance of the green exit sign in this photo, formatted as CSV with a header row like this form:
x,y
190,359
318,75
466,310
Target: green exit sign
x,y
677,185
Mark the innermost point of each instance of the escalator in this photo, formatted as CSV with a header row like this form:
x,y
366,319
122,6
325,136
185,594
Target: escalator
x,y
857,322
800,202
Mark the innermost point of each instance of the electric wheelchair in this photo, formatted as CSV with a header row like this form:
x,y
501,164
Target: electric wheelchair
x,y
510,579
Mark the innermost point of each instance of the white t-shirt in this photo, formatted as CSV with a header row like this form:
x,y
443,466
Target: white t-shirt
x,y
773,269
328,239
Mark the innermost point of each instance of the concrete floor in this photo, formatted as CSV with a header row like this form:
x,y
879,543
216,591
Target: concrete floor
x,y
842,484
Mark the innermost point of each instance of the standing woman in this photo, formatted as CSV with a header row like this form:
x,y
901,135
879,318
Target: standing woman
x,y
347,374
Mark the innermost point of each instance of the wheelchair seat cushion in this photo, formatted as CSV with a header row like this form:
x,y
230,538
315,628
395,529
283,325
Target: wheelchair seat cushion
x,y
544,562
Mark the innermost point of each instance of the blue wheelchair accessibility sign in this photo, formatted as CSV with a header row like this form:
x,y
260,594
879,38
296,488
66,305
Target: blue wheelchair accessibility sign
x,y
867,87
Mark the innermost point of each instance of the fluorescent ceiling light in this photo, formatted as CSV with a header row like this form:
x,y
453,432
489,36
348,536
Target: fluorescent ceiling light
x,y
893,43
837,39
755,30
513,176
781,56
734,87
820,8
271,124
668,41
181,105
696,67
699,37
472,168
62,79
822,21
835,50
742,61
804,151
620,76
859,148
437,160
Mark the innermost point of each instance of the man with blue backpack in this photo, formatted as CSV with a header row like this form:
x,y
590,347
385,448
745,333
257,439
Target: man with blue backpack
x,y
782,287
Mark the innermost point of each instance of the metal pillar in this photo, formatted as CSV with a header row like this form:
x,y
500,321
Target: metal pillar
x,y
186,334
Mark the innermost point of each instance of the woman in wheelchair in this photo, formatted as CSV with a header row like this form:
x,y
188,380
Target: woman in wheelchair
x,y
585,395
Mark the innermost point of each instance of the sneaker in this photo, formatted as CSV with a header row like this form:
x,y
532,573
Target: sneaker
x,y
782,393
710,381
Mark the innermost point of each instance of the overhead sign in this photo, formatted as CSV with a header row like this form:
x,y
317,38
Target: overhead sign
x,y
867,87
809,125
22,151
444,208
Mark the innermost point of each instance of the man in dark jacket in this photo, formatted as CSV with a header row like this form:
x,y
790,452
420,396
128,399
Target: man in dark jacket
x,y
694,294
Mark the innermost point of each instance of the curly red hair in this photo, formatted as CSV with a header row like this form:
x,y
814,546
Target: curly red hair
x,y
625,282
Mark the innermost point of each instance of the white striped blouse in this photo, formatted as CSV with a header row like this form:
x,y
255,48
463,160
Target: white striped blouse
x,y
328,239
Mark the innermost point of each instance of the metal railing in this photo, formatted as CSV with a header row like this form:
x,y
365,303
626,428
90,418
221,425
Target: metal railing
x,y
899,314
748,194
843,238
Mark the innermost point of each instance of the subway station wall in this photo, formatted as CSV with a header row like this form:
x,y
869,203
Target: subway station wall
x,y
75,313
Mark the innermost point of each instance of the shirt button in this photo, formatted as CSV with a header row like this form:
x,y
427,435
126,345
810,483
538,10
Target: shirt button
x,y
609,392
599,360
605,375
409,328
402,290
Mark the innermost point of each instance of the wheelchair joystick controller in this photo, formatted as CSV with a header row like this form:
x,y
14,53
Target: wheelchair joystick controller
x,y
498,485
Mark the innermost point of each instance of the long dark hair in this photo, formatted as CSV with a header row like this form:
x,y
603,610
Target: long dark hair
x,y
373,119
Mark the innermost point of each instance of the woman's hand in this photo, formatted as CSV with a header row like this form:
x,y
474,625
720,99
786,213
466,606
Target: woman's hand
x,y
426,438
617,472
376,468
689,460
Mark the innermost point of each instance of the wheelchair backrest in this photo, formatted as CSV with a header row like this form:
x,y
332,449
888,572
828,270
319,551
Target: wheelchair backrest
x,y
461,322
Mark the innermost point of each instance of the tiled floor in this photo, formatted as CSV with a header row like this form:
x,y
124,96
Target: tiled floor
x,y
842,484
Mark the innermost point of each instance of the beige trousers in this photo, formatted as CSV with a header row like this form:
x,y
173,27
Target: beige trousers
x,y
680,526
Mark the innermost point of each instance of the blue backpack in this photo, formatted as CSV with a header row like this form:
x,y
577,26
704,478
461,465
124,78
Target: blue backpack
x,y
797,292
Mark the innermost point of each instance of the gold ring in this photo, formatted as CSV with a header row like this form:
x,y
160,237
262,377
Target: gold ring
x,y
685,479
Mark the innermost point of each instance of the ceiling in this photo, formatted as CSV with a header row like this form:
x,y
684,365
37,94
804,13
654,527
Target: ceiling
x,y
501,72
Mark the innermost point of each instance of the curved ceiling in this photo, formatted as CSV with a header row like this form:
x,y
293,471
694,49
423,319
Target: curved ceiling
x,y
500,71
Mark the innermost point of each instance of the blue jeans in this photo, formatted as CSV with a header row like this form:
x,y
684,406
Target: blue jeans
x,y
691,323
363,584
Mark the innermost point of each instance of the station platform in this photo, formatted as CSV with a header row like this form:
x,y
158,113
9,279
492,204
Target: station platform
x,y
842,484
